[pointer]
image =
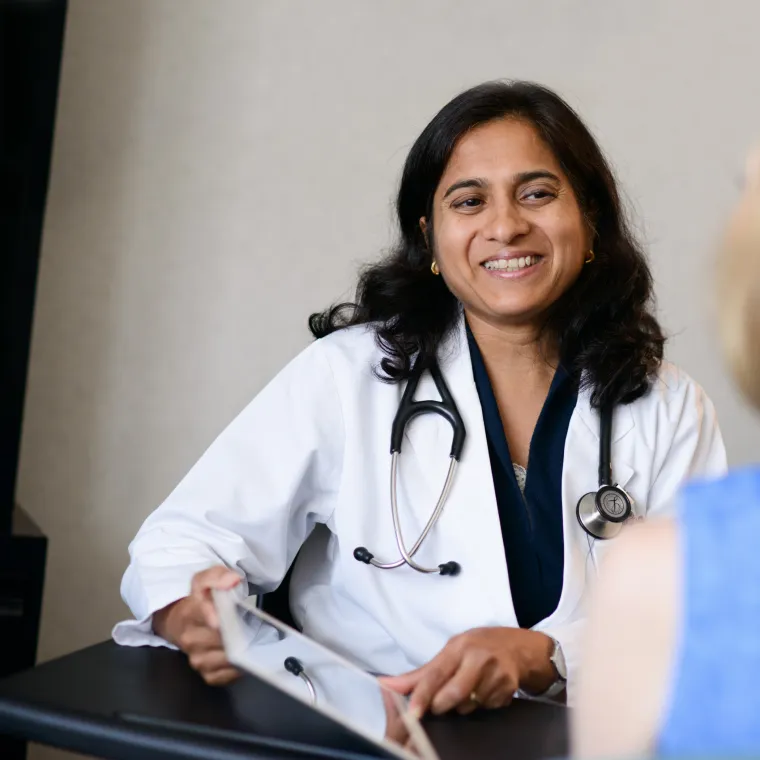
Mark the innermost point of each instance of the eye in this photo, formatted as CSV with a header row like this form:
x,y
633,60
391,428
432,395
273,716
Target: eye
x,y
538,195
468,203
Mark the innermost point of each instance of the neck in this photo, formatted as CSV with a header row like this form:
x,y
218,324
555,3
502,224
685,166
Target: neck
x,y
514,350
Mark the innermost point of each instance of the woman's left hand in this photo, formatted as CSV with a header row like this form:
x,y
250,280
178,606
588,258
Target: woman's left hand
x,y
482,667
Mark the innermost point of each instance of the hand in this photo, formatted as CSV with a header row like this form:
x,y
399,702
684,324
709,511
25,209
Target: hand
x,y
489,664
395,728
192,625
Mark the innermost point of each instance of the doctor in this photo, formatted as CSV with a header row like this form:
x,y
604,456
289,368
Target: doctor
x,y
518,296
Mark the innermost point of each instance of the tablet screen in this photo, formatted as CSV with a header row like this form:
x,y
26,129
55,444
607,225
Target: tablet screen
x,y
263,646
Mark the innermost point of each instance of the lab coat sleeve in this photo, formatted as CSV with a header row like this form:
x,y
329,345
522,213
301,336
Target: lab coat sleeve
x,y
250,501
693,447
570,638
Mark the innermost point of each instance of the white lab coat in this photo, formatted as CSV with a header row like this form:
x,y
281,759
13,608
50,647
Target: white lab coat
x,y
312,451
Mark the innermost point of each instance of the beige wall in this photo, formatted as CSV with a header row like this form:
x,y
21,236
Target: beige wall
x,y
221,166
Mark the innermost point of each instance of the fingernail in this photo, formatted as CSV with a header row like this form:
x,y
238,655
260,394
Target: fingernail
x,y
415,711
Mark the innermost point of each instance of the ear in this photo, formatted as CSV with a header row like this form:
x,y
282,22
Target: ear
x,y
591,217
423,228
591,235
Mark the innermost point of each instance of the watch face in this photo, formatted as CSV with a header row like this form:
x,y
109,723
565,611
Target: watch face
x,y
613,503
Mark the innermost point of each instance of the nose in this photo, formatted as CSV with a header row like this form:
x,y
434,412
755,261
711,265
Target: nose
x,y
505,222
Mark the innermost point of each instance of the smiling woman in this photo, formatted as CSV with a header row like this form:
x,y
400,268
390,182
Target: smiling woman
x,y
517,295
504,172
511,222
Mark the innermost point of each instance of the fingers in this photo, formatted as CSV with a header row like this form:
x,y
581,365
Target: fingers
x,y
208,661
431,678
197,626
465,708
481,678
206,654
497,689
220,578
404,683
199,638
473,670
221,677
460,687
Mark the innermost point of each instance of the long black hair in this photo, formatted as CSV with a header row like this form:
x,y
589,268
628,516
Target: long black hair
x,y
607,334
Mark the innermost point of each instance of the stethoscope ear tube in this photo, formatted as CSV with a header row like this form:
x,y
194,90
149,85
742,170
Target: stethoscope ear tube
x,y
446,408
600,513
362,554
293,665
407,411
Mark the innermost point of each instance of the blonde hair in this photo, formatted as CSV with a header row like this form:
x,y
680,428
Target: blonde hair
x,y
739,288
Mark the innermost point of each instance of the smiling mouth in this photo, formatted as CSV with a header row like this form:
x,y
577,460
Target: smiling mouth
x,y
511,265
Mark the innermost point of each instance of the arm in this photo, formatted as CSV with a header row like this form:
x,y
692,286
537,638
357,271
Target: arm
x,y
249,502
629,645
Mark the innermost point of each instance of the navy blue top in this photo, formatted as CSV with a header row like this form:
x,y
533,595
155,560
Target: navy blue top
x,y
531,523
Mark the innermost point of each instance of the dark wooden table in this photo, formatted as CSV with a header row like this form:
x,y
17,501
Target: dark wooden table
x,y
147,704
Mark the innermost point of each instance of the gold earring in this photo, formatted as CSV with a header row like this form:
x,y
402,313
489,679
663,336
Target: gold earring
x,y
591,256
434,267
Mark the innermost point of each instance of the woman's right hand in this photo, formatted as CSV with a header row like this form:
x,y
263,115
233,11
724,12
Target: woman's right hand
x,y
192,624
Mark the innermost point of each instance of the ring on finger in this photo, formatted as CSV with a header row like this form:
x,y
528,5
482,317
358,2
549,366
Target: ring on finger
x,y
474,698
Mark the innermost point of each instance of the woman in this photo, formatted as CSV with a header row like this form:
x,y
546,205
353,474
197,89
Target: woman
x,y
517,275
681,597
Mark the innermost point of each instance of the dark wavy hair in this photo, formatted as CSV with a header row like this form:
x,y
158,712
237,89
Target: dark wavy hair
x,y
607,334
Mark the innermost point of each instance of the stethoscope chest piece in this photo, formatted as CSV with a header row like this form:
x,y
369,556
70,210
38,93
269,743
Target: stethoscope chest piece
x,y
602,513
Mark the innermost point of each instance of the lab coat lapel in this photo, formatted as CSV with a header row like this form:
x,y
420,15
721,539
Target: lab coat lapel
x,y
580,476
623,425
470,519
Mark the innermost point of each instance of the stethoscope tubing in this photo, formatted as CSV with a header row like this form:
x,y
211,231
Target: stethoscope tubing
x,y
446,408
407,556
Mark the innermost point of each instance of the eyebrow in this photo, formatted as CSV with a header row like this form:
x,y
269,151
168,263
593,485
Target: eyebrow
x,y
518,179
473,182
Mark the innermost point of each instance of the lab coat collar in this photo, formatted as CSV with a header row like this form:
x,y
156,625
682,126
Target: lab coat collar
x,y
456,366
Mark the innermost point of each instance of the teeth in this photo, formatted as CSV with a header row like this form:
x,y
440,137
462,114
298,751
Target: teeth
x,y
511,265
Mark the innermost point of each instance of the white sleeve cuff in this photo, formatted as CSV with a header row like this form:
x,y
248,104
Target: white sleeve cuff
x,y
138,633
151,589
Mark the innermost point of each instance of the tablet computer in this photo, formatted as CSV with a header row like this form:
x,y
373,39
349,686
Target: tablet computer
x,y
347,698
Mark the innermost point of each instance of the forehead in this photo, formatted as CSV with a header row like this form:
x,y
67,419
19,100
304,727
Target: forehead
x,y
503,148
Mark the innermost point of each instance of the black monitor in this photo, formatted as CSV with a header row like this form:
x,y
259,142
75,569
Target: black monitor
x,y
31,39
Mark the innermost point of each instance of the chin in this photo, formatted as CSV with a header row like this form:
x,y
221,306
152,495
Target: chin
x,y
515,312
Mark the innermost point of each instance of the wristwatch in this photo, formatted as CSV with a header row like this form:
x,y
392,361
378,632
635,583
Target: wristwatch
x,y
557,659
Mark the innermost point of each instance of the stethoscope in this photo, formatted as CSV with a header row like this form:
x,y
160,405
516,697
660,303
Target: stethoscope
x,y
295,666
600,513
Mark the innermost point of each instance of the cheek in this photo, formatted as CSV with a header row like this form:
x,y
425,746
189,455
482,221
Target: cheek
x,y
453,238
570,243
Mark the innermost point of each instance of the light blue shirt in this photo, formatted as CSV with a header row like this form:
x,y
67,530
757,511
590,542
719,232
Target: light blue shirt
x,y
714,707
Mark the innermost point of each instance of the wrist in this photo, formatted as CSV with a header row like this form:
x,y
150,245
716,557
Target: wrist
x,y
163,619
538,672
